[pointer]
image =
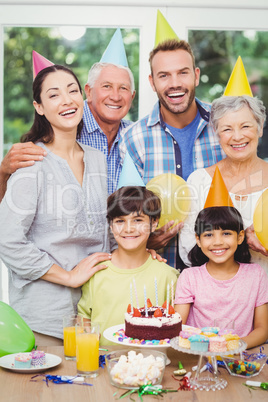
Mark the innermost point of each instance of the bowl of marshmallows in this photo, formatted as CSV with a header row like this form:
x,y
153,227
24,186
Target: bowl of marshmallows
x,y
131,369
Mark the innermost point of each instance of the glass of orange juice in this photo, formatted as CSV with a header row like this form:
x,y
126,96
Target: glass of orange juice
x,y
87,348
69,342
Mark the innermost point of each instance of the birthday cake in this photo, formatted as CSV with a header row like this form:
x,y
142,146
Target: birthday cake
x,y
156,324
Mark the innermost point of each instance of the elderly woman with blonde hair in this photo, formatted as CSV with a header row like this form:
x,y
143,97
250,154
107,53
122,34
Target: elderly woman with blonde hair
x,y
238,121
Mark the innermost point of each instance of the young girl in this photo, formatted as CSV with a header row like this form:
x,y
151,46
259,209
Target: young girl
x,y
225,285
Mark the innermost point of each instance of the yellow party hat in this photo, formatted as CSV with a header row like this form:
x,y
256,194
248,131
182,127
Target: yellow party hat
x,y
238,84
218,195
163,30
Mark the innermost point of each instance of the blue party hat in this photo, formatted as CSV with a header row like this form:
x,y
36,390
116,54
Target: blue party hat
x,y
129,175
115,52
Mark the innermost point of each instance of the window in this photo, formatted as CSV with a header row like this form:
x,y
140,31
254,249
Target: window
x,y
77,47
216,53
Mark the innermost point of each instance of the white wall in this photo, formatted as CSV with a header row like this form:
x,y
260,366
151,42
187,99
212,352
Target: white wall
x,y
182,15
152,3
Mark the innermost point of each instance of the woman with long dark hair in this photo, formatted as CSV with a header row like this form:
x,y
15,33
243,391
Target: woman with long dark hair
x,y
53,228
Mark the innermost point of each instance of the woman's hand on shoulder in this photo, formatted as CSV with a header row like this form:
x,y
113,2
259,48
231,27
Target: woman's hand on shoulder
x,y
253,242
87,267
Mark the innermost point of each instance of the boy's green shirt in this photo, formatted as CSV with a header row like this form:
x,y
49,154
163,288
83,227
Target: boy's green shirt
x,y
106,296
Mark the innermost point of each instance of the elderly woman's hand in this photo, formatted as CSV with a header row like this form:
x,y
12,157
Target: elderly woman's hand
x,y
253,242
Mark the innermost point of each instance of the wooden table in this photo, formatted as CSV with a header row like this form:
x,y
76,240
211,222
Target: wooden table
x,y
16,387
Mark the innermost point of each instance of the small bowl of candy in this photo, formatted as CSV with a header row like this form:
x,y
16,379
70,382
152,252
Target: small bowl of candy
x,y
131,369
249,365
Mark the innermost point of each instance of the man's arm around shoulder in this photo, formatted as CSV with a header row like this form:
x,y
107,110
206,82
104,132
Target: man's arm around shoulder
x,y
20,155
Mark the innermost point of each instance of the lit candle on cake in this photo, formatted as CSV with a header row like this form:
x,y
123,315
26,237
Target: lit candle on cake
x,y
172,293
145,302
136,294
167,299
131,298
156,293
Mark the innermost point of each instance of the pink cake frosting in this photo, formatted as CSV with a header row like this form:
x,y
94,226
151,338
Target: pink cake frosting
x,y
186,334
192,330
23,360
217,344
184,339
22,357
38,358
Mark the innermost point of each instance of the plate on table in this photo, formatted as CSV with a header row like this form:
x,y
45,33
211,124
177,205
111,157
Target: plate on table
x,y
109,335
7,362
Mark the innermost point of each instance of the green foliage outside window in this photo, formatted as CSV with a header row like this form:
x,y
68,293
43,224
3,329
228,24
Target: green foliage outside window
x,y
216,53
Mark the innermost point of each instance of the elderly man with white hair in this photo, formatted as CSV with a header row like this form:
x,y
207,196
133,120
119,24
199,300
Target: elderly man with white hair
x,y
110,92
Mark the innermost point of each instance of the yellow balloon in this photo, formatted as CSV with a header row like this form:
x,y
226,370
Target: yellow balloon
x,y
260,219
174,194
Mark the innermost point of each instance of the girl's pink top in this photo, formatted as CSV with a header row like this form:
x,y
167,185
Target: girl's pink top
x,y
212,299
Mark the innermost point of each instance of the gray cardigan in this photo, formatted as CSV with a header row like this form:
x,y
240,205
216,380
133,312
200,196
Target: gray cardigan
x,y
46,217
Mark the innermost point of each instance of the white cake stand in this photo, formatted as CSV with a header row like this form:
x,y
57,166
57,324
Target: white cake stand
x,y
209,380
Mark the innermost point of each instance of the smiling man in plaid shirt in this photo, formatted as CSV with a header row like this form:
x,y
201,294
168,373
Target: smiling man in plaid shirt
x,y
109,91
176,136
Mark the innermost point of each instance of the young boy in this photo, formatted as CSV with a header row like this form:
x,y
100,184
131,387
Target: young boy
x,y
133,213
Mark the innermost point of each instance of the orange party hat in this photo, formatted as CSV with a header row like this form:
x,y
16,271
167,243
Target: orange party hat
x,y
218,195
238,84
39,63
